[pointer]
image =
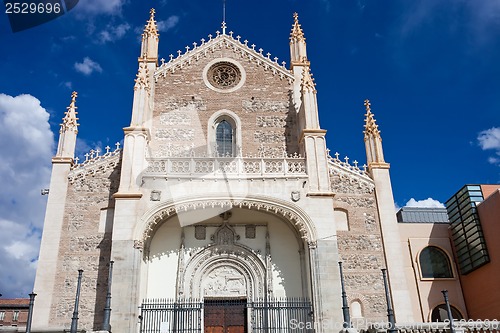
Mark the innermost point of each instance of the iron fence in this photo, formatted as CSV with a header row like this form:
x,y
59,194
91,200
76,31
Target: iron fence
x,y
196,316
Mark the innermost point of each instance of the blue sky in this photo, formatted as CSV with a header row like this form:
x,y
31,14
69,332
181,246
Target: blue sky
x,y
429,67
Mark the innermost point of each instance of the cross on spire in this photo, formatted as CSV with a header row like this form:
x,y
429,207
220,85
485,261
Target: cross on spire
x,y
224,26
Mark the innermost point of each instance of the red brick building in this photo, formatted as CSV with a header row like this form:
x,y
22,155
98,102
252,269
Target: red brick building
x,y
14,312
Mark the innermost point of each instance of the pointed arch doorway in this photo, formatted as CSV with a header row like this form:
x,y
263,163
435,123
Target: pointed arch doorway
x,y
225,315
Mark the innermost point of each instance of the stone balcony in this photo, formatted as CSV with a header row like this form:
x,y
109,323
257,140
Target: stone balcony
x,y
226,167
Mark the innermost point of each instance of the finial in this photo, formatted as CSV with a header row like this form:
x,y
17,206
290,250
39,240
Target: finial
x,y
151,29
367,105
70,121
371,127
74,95
297,34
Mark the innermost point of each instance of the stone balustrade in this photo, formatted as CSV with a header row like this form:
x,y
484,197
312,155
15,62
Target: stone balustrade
x,y
230,167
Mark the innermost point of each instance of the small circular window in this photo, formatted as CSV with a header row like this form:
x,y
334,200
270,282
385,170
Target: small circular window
x,y
224,75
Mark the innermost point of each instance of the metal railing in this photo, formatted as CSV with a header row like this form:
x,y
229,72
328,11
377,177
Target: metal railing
x,y
189,316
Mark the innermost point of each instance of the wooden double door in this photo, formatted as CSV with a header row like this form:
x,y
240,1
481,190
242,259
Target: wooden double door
x,y
225,316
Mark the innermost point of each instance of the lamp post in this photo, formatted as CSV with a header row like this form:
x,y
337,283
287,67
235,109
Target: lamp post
x,y
390,310
107,309
74,319
30,312
345,305
448,309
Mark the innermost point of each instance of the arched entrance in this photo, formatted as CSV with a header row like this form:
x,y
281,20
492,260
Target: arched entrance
x,y
237,266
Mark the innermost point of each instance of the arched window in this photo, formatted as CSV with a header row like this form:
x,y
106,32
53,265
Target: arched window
x,y
440,314
356,309
224,138
434,263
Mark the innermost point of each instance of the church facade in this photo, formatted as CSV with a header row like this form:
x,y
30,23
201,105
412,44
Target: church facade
x,y
223,202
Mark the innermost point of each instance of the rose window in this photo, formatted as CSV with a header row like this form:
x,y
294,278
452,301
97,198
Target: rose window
x,y
224,75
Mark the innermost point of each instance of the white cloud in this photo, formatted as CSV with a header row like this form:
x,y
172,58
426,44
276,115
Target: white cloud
x,y
168,24
427,203
87,66
490,140
95,7
26,150
113,33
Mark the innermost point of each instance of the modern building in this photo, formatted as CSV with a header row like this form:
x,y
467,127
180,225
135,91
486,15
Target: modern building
x,y
429,263
474,213
224,211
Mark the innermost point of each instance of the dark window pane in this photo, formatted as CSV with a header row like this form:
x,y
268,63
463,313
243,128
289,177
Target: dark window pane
x,y
224,138
434,263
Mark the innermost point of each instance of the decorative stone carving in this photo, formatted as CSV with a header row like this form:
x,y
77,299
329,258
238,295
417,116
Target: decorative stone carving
x,y
264,106
303,229
200,232
227,270
225,281
250,231
155,195
138,245
103,164
224,42
271,121
142,78
295,196
223,75
225,235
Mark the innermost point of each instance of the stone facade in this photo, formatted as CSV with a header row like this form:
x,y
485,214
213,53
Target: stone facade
x,y
85,245
224,188
360,247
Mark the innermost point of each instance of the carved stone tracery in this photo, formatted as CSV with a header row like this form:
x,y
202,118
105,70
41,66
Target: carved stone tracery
x,y
304,229
224,75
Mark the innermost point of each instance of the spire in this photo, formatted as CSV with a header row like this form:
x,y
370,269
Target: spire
x,y
150,37
373,140
151,29
68,131
297,34
298,52
70,121
371,127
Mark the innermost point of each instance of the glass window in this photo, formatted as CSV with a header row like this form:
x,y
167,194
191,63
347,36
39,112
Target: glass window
x,y
434,263
15,317
224,138
440,314
2,315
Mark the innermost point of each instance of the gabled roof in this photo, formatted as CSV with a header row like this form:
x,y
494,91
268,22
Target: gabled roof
x,y
223,41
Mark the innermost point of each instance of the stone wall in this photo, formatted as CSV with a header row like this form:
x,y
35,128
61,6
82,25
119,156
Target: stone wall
x,y
184,104
85,244
360,247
